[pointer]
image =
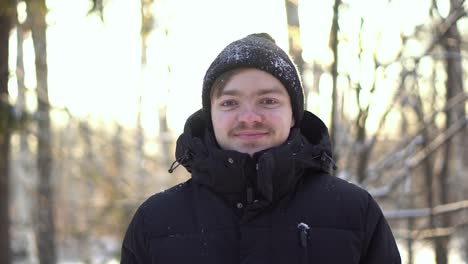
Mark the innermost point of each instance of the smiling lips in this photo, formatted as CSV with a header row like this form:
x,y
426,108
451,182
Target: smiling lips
x,y
250,135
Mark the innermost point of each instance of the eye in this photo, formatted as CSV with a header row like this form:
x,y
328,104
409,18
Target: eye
x,y
269,101
228,103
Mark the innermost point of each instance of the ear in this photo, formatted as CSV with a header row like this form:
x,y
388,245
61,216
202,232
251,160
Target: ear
x,y
293,121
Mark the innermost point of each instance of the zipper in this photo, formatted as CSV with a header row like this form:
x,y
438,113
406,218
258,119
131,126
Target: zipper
x,y
248,183
303,238
249,193
248,187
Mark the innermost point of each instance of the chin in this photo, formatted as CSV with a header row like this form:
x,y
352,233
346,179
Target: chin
x,y
251,152
251,149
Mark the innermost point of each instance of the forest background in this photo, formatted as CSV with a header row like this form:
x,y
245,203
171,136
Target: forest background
x,y
93,95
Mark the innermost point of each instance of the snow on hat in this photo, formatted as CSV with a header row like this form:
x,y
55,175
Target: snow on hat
x,y
261,52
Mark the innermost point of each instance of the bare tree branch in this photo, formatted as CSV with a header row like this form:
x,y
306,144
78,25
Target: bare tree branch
x,y
420,157
443,28
376,171
424,212
430,233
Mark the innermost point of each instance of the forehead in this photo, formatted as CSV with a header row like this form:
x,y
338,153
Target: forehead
x,y
252,81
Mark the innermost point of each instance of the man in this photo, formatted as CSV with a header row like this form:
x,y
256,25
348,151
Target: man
x,y
261,189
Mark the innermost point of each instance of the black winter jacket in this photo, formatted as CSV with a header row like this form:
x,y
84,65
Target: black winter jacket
x,y
280,206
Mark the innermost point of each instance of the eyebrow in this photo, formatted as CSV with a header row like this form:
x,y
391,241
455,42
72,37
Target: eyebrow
x,y
263,91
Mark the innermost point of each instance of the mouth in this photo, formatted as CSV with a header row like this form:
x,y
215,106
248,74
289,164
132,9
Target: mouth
x,y
250,135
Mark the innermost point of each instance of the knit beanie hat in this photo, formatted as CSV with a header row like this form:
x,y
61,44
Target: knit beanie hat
x,y
261,52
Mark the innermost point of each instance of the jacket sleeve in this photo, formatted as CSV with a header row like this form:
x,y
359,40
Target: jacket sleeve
x,y
135,246
379,244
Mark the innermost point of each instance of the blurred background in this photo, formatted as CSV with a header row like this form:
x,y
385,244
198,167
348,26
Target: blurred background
x,y
93,95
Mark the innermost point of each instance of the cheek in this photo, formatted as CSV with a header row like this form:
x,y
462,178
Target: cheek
x,y
220,121
282,123
281,118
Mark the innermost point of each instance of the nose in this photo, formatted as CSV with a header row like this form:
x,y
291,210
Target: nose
x,y
250,116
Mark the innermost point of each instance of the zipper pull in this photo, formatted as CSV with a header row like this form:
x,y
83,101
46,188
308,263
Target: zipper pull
x,y
303,230
327,162
174,166
180,161
249,195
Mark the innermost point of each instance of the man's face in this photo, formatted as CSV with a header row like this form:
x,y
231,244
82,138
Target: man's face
x,y
252,113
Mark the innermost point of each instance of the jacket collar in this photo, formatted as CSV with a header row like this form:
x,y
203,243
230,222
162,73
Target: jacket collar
x,y
262,179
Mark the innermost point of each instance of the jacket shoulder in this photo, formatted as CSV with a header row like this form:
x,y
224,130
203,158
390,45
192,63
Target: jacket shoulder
x,y
332,187
167,210
154,218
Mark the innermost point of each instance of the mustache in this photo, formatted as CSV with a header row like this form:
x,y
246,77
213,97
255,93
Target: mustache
x,y
255,126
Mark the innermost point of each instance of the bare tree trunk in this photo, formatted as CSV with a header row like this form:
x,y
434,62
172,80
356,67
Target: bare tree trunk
x,y
6,22
410,240
427,165
147,21
441,243
428,178
454,86
164,133
364,148
294,35
21,99
333,43
25,175
410,221
465,244
83,237
140,153
45,227
5,255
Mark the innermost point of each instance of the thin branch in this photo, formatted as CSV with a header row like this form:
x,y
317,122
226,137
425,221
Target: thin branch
x,y
420,157
430,233
402,214
443,28
376,171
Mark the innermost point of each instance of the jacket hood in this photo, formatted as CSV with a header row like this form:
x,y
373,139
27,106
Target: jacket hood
x,y
265,177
